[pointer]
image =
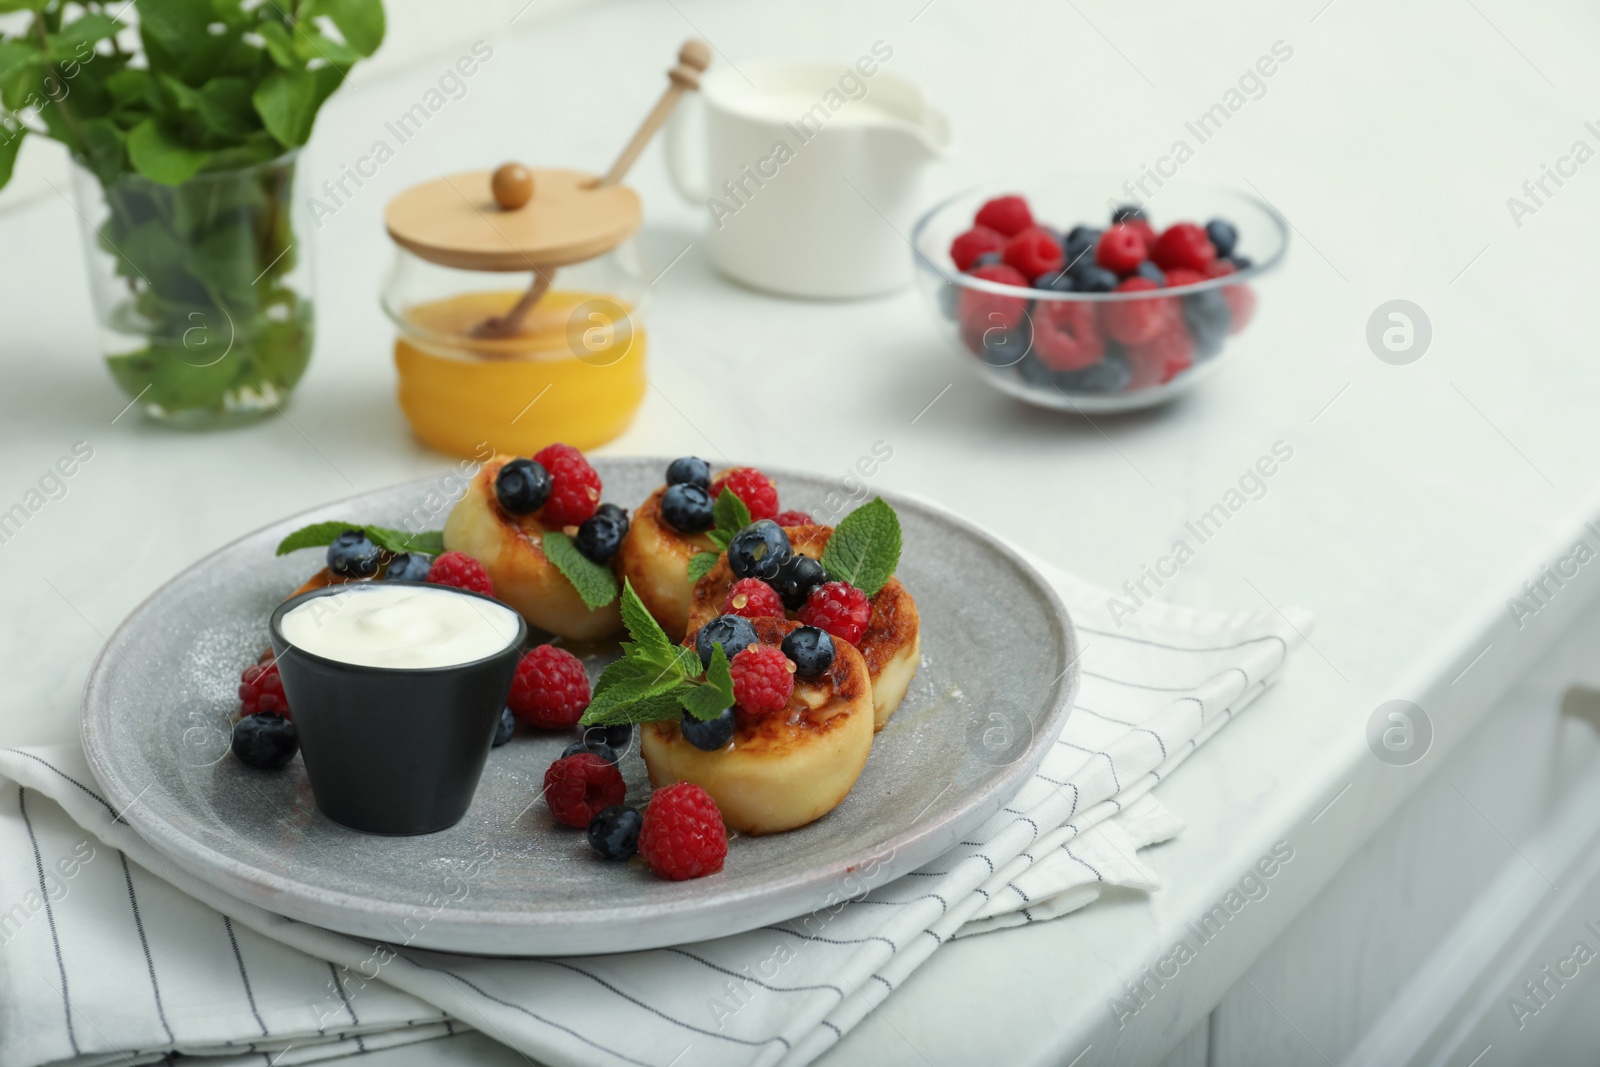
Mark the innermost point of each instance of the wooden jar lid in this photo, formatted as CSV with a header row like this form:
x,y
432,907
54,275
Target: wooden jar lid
x,y
456,221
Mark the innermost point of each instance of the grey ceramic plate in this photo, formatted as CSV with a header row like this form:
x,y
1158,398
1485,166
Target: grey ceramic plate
x,y
993,692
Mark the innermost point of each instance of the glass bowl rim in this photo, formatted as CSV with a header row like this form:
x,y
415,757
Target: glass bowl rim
x,y
966,281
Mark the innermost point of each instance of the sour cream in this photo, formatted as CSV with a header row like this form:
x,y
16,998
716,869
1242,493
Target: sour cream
x,y
402,627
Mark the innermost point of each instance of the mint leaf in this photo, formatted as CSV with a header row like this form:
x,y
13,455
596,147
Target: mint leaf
x,y
287,102
718,676
649,639
653,708
428,542
630,691
10,141
731,516
594,581
713,696
161,158
360,22
703,701
624,670
700,565
318,535
864,549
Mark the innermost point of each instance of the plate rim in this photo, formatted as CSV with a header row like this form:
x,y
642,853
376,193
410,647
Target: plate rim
x,y
930,835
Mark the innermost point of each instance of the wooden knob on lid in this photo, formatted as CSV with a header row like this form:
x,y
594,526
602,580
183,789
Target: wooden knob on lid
x,y
512,186
693,58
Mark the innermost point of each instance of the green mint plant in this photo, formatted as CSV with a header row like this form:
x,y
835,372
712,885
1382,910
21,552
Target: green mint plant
x,y
188,123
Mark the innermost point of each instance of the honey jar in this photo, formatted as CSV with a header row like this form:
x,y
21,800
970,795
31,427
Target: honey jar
x,y
519,300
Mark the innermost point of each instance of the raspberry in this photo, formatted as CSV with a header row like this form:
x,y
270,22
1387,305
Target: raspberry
x,y
978,311
1121,248
574,486
683,836
1134,321
753,599
763,680
974,243
260,688
1005,215
1034,253
1183,245
1183,276
461,571
1066,335
581,786
1163,357
793,518
759,493
1145,230
1241,305
1241,298
550,689
839,608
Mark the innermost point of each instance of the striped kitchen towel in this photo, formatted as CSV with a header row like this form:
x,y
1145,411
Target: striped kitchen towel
x,y
111,954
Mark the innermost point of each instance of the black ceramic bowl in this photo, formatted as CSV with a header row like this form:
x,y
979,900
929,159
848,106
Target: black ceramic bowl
x,y
391,750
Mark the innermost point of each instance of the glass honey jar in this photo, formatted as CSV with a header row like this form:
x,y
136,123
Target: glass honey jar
x,y
486,358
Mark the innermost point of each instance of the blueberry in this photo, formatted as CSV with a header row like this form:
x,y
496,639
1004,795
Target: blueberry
x,y
708,735
733,632
614,832
408,567
592,746
601,534
506,727
1079,245
1208,318
796,579
1149,270
522,486
1241,262
811,650
1127,213
987,259
1003,348
1091,278
1222,236
619,736
686,507
617,513
1111,375
1059,282
758,550
352,555
265,740
689,470
1034,372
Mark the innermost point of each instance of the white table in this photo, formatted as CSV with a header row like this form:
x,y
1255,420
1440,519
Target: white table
x,y
1419,498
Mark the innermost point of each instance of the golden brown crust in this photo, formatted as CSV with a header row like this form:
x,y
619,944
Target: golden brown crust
x,y
894,625
783,770
813,705
655,559
511,549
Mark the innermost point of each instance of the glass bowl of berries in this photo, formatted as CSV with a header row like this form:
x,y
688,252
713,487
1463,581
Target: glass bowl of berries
x,y
1071,295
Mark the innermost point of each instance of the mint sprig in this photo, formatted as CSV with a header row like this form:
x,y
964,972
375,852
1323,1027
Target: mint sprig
x,y
700,565
594,581
730,516
656,679
864,549
321,534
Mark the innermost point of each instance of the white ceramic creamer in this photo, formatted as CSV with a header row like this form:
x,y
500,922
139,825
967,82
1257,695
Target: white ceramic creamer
x,y
808,172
